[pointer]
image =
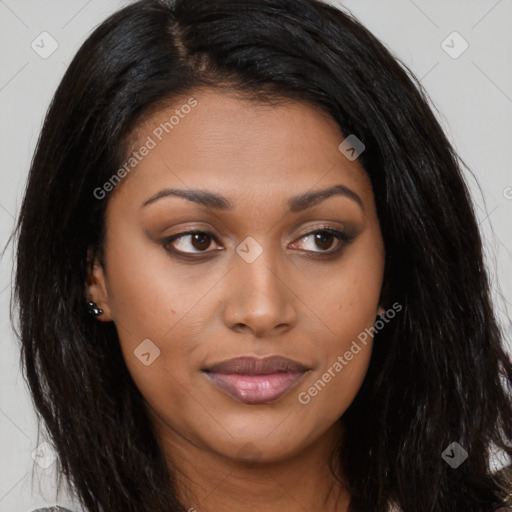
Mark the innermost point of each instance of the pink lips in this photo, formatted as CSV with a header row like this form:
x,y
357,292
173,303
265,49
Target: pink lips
x,y
256,381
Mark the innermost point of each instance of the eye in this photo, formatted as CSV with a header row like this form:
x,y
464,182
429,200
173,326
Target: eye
x,y
324,239
198,240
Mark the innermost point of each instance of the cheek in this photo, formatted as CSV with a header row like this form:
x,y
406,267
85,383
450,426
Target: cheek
x,y
347,297
159,308
347,308
150,294
344,354
328,394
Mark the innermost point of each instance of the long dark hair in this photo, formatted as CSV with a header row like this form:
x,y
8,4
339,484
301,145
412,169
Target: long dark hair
x,y
439,372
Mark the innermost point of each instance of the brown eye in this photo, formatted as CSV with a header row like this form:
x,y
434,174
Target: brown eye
x,y
190,242
201,241
324,239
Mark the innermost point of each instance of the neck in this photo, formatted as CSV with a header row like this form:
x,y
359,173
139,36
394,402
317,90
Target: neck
x,y
210,482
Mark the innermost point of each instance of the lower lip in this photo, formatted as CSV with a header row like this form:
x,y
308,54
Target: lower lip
x,y
255,389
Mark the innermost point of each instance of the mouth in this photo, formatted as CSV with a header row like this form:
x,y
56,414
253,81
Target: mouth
x,y
254,380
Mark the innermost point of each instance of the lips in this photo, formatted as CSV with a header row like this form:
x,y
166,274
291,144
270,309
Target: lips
x,y
254,380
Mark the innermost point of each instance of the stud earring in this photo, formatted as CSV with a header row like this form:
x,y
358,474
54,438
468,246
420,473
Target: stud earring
x,y
93,308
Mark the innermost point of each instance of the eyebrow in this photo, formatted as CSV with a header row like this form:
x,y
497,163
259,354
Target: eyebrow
x,y
295,204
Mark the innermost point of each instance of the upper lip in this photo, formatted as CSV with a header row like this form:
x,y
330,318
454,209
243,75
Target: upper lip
x,y
250,365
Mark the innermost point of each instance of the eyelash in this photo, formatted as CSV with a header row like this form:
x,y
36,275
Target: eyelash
x,y
342,238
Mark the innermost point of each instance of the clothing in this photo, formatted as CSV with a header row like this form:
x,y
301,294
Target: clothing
x,y
55,508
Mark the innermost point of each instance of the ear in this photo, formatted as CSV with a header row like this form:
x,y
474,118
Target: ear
x,y
96,286
380,310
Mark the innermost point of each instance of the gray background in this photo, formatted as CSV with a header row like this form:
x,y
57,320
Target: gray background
x,y
473,94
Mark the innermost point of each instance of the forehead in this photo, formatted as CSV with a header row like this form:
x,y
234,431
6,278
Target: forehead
x,y
217,140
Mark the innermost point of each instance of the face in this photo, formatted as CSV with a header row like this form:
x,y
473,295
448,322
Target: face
x,y
274,268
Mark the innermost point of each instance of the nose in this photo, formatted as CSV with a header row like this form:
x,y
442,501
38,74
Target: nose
x,y
258,297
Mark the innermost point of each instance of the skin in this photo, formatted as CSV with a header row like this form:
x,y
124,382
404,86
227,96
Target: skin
x,y
229,455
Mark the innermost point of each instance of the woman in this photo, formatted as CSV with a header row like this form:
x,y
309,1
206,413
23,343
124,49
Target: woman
x,y
250,277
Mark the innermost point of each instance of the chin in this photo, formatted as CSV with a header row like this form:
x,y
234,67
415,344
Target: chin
x,y
259,450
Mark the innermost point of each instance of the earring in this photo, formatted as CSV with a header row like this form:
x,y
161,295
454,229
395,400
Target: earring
x,y
93,308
